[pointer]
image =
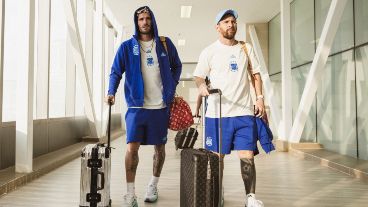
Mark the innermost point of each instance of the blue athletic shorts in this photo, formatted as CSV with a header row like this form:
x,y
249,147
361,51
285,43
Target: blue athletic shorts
x,y
238,133
147,126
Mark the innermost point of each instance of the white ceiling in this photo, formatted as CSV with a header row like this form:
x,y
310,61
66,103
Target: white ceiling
x,y
199,30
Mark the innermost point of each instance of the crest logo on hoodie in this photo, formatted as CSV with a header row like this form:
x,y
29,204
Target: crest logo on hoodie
x,y
135,50
209,141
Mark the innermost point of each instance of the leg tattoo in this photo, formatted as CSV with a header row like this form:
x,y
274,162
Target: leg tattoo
x,y
248,172
158,159
131,164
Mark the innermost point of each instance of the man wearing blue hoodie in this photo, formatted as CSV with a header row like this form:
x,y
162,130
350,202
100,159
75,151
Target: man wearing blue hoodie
x,y
152,70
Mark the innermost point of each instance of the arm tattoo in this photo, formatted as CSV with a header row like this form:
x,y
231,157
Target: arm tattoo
x,y
248,172
158,159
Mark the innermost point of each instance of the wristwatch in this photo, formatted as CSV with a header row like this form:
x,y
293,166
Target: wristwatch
x,y
260,97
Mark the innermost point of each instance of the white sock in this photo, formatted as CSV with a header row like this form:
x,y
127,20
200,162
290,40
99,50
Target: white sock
x,y
154,180
130,189
252,195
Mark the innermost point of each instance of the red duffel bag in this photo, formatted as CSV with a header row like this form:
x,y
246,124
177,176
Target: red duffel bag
x,y
180,114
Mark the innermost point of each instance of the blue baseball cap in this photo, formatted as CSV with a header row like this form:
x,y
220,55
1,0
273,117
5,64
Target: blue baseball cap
x,y
224,12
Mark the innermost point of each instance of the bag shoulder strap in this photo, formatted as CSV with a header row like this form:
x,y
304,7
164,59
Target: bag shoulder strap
x,y
163,40
249,66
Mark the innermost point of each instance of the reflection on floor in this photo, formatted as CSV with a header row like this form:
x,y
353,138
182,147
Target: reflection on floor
x,y
282,180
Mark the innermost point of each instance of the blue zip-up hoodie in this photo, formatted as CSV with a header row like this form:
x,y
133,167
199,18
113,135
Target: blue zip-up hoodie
x,y
128,60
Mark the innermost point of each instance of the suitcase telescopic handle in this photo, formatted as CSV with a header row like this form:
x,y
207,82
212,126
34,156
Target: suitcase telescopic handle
x,y
109,127
102,186
212,91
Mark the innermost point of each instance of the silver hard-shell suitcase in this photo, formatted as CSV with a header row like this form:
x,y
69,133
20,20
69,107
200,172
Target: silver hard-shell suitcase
x,y
96,174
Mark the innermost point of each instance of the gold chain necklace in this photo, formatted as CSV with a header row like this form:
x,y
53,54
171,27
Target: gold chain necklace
x,y
150,48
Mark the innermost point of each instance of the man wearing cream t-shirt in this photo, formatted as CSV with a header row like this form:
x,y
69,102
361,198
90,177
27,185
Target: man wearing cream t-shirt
x,y
225,63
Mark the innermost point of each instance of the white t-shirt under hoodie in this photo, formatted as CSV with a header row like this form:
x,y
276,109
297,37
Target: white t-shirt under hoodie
x,y
151,76
226,67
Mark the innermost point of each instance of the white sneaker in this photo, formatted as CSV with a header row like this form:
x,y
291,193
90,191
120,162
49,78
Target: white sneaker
x,y
253,202
151,194
130,201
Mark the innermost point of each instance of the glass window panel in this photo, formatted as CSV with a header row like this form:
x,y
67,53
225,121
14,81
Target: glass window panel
x,y
299,78
336,115
58,32
361,26
276,84
13,39
302,32
35,62
79,98
344,38
81,16
274,45
362,100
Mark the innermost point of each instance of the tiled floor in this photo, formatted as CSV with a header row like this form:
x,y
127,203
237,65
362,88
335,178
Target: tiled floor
x,y
282,180
346,164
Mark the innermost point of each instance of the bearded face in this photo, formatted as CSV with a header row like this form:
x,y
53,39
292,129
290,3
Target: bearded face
x,y
144,23
227,27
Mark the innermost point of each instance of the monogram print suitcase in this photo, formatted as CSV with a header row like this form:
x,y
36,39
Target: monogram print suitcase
x,y
200,185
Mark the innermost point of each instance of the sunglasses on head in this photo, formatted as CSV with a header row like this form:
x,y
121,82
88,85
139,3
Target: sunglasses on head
x,y
143,10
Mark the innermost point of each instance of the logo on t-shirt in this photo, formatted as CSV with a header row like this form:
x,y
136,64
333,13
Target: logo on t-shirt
x,y
233,65
150,60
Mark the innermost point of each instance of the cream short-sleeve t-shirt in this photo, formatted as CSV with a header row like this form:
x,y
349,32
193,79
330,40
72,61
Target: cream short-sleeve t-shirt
x,y
226,67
